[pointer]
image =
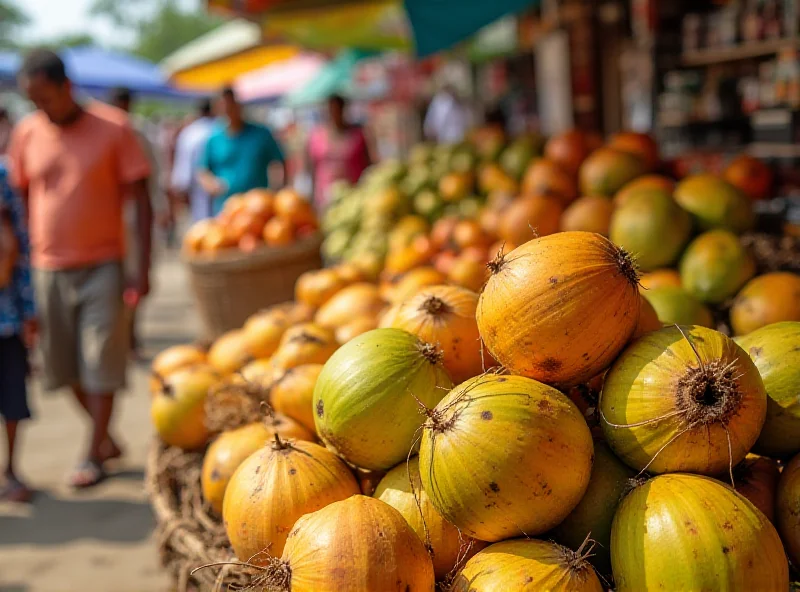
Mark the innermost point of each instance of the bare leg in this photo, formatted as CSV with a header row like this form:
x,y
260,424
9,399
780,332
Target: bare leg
x,y
11,436
91,471
101,407
80,397
13,490
109,449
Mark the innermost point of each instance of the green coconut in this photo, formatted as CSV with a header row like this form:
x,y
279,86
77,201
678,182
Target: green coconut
x,y
687,532
368,397
715,266
715,203
652,227
593,516
675,306
775,349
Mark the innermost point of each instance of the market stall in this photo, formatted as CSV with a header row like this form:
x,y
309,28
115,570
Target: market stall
x,y
438,267
522,352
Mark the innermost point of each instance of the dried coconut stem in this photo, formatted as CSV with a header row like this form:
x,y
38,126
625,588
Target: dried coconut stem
x,y
431,353
496,265
278,444
709,393
435,306
626,263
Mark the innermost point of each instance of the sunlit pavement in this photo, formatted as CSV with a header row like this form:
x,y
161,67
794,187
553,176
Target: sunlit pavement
x,y
100,540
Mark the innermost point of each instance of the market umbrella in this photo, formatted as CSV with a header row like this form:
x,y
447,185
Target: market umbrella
x,y
9,64
95,70
222,55
335,78
428,26
278,79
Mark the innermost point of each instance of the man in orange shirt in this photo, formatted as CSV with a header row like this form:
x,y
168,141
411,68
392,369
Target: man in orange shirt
x,y
76,165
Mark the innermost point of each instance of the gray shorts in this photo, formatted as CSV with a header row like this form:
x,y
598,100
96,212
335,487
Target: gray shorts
x,y
84,333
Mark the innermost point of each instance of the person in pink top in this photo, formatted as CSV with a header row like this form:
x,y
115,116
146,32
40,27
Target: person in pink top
x,y
76,165
337,150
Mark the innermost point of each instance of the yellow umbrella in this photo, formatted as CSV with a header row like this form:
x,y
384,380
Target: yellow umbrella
x,y
219,57
224,71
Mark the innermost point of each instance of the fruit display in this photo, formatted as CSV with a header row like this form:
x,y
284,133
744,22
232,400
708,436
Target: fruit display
x,y
709,538
533,391
253,220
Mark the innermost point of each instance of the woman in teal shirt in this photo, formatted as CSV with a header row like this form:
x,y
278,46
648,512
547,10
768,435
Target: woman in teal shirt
x,y
238,155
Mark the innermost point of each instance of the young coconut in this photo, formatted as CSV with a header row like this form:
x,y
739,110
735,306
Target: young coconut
x,y
359,544
593,516
505,456
787,509
178,408
766,299
774,349
683,399
675,306
232,447
402,489
368,396
230,352
445,315
173,359
292,393
756,478
528,566
560,308
274,487
687,532
305,344
715,266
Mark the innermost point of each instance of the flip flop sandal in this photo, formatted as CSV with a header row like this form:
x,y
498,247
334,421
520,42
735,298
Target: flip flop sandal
x,y
15,491
88,474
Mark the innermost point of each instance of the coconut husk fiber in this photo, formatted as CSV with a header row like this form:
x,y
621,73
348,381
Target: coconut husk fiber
x,y
189,534
774,252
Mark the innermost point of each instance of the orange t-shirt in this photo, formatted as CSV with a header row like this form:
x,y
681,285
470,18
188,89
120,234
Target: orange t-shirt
x,y
75,177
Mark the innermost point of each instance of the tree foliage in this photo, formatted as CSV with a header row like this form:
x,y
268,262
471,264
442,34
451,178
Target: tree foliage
x,y
12,18
159,27
70,40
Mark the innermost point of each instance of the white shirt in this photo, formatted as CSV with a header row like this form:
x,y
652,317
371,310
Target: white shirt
x,y
188,150
447,120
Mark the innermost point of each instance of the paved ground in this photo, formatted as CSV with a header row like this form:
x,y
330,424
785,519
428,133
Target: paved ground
x,y
98,541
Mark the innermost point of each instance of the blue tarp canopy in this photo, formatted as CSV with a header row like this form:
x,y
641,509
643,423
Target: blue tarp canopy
x,y
441,24
9,64
95,70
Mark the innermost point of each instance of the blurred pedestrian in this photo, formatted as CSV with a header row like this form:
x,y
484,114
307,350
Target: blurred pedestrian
x,y
190,147
122,99
447,120
337,150
238,155
76,165
5,129
17,331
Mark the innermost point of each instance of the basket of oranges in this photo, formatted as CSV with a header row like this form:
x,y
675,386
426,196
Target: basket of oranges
x,y
250,255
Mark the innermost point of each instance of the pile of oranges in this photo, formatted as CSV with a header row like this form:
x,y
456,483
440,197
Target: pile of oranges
x,y
252,220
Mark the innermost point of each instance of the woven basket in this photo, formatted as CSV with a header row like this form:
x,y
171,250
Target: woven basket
x,y
190,536
230,287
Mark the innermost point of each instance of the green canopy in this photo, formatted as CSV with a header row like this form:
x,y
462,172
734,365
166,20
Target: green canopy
x,y
440,24
336,78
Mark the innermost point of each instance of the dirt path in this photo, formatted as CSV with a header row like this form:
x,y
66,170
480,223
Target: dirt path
x,y
97,541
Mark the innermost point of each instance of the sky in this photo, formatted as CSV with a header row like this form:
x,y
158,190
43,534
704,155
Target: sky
x,y
55,18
